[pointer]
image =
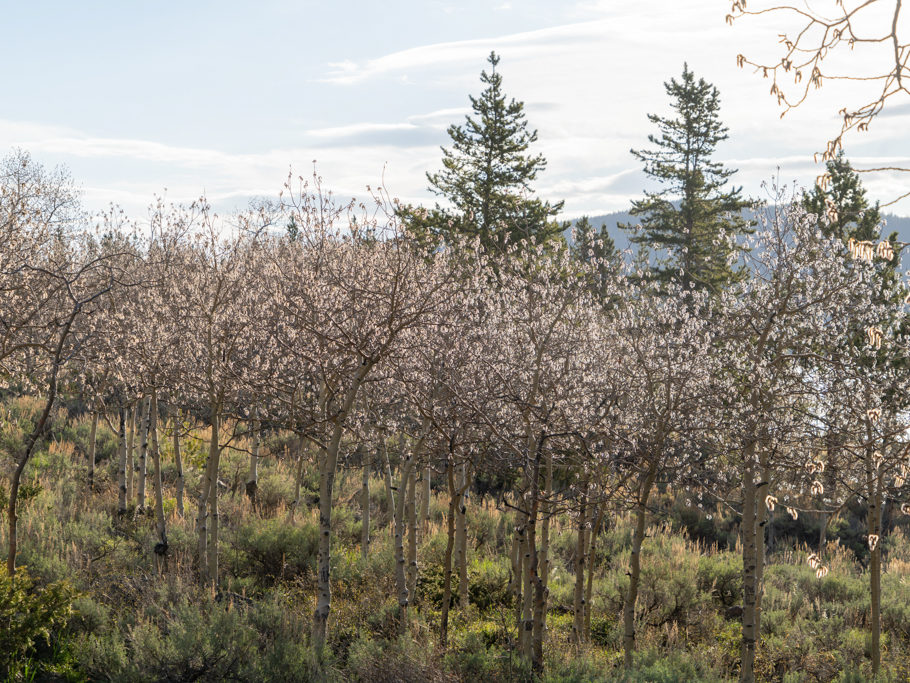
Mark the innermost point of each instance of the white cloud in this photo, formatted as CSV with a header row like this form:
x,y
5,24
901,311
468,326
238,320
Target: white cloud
x,y
464,51
141,150
358,129
440,117
434,120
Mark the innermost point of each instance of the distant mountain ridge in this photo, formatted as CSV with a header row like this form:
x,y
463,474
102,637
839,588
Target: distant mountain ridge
x,y
899,224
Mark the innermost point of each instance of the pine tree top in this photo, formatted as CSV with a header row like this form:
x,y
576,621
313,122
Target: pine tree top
x,y
487,172
693,219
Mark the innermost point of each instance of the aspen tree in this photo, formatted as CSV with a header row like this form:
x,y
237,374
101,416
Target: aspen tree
x,y
122,469
178,460
426,494
461,538
54,277
92,443
589,588
252,477
162,548
365,503
447,559
799,296
132,429
141,466
350,297
298,481
412,534
581,550
400,562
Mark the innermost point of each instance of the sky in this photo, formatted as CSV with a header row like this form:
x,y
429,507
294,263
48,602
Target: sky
x,y
227,98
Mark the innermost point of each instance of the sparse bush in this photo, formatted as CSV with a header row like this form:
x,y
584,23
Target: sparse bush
x,y
393,661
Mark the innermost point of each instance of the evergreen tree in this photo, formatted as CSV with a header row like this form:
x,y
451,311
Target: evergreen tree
x,y
845,213
845,194
595,246
486,177
692,219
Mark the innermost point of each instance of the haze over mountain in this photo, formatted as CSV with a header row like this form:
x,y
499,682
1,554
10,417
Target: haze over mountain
x,y
900,224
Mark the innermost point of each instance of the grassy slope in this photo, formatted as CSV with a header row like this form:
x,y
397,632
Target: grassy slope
x,y
133,623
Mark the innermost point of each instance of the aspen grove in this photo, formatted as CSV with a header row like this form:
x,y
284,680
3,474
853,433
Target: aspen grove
x,y
535,393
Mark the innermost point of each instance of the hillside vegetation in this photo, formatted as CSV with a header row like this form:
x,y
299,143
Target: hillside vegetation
x,y
107,610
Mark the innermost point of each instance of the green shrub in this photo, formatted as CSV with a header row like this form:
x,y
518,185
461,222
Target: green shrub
x,y
605,631
31,616
276,549
473,659
274,489
676,667
720,574
488,582
202,641
283,654
430,585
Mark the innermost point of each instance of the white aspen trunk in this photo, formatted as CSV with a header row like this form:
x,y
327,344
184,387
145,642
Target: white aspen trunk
x,y
822,534
202,505
831,446
390,489
578,597
131,459
528,540
874,524
532,585
161,548
454,502
427,493
400,577
762,517
21,462
178,462
121,469
461,540
526,625
589,589
538,578
329,462
324,586
252,477
365,505
528,550
209,482
749,541
638,536
213,524
412,535
143,455
213,527
92,444
516,554
544,560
